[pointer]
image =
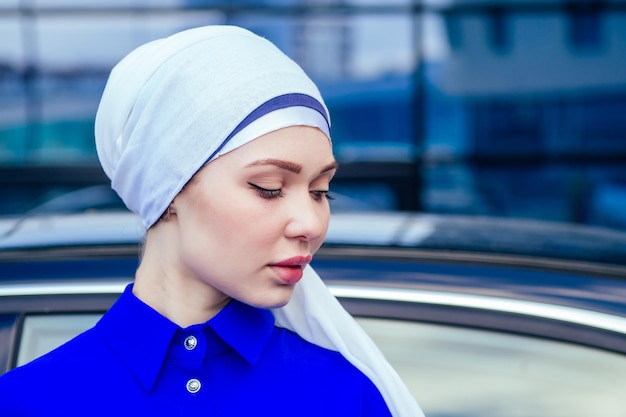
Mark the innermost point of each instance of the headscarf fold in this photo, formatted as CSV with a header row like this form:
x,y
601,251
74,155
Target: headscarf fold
x,y
175,104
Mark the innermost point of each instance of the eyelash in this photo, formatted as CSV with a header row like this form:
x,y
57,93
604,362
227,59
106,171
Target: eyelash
x,y
272,194
318,195
267,194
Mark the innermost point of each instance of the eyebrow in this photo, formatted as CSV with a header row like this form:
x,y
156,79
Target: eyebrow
x,y
290,166
330,167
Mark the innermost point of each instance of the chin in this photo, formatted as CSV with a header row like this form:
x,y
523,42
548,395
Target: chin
x,y
281,304
276,300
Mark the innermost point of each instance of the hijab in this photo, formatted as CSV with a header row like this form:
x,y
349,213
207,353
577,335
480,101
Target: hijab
x,y
175,104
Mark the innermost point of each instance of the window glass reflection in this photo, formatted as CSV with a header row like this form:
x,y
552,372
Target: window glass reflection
x,y
41,334
465,372
521,111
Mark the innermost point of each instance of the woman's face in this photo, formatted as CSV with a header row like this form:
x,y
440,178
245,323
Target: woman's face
x,y
250,220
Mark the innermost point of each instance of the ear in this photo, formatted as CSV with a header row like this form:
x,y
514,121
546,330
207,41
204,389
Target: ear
x,y
166,214
169,211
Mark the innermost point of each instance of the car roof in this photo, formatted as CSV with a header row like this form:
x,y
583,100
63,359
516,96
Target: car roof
x,y
521,238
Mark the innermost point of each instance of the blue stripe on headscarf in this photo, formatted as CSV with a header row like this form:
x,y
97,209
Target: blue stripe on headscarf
x,y
277,103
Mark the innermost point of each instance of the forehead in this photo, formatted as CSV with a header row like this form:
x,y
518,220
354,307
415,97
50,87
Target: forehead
x,y
308,148
302,144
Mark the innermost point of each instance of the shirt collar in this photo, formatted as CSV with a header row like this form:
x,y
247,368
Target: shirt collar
x,y
141,336
244,328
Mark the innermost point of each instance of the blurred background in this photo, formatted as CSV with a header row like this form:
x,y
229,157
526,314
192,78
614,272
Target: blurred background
x,y
500,108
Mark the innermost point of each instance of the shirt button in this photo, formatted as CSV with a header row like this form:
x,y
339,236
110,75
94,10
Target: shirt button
x,y
191,342
193,386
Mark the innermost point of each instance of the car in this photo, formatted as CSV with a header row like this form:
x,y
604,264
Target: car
x,y
479,316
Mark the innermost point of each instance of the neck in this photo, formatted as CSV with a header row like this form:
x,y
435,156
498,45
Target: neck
x,y
183,299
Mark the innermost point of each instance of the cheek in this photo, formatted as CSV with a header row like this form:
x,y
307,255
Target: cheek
x,y
240,219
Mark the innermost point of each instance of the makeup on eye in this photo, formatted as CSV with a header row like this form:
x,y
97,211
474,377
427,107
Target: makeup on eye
x,y
270,193
272,175
267,193
320,194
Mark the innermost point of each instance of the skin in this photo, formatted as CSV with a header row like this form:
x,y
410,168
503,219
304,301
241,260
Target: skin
x,y
260,205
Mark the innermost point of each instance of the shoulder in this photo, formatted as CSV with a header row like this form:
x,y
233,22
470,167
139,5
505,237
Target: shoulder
x,y
64,368
327,374
61,356
292,347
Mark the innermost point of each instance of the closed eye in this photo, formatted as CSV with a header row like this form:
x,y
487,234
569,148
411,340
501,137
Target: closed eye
x,y
320,194
266,193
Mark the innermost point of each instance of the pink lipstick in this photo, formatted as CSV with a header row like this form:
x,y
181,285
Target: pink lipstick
x,y
291,270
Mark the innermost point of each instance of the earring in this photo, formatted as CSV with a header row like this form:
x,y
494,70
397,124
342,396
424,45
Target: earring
x,y
166,215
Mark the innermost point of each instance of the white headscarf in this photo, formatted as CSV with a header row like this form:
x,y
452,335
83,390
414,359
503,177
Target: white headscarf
x,y
174,104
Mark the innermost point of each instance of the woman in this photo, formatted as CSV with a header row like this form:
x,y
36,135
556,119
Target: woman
x,y
221,144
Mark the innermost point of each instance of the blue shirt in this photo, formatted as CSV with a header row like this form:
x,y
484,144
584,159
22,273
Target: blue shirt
x,y
137,362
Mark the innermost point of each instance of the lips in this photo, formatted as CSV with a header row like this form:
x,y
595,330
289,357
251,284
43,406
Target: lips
x,y
291,270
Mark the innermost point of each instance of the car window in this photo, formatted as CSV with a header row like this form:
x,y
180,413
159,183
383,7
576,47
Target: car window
x,y
450,370
467,372
43,333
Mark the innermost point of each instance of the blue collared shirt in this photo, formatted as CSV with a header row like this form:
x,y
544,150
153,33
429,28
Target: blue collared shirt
x,y
137,362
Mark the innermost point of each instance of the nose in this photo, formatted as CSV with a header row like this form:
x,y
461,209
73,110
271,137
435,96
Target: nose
x,y
308,219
